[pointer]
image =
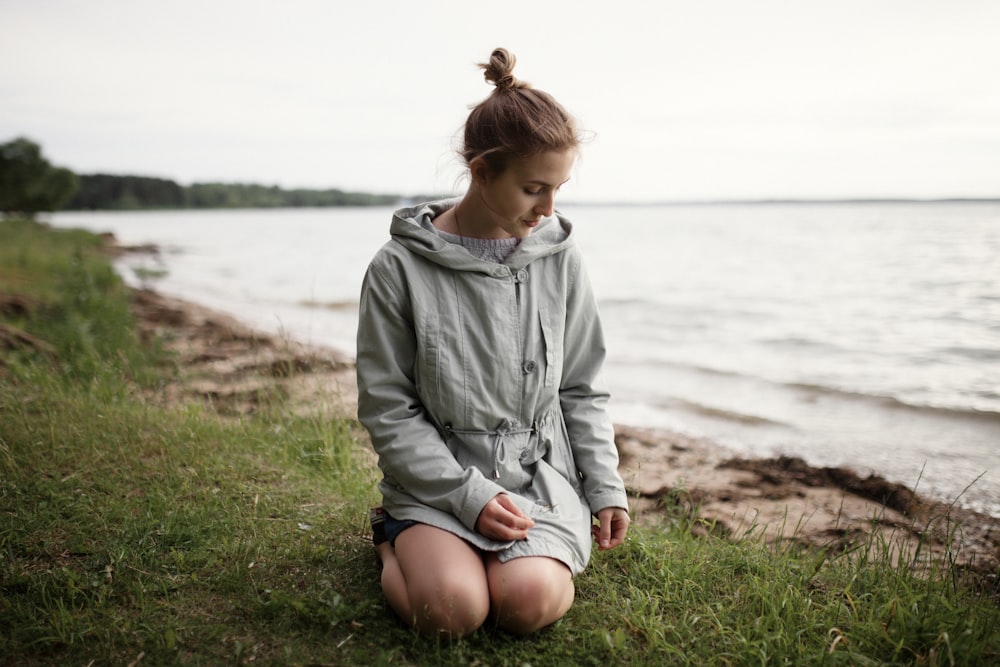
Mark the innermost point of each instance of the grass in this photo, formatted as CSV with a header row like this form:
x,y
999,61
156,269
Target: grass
x,y
132,533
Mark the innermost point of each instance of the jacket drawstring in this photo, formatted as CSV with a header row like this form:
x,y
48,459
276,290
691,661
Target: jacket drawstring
x,y
499,453
499,441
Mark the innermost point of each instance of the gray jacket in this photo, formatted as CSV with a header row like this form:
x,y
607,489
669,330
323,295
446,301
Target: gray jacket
x,y
478,378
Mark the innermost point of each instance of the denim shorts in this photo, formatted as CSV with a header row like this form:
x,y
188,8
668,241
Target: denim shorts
x,y
393,527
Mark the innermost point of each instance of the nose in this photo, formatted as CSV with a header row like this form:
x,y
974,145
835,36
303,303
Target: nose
x,y
547,206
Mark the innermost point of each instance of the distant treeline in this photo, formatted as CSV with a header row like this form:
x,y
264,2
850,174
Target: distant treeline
x,y
105,191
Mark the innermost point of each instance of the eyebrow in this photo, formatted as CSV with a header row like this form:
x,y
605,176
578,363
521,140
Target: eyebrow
x,y
545,183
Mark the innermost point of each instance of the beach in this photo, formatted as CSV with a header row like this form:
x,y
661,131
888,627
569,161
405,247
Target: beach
x,y
232,367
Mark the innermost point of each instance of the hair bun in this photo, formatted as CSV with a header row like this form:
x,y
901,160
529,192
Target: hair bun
x,y
500,70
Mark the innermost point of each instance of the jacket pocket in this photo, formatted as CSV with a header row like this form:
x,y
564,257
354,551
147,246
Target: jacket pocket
x,y
558,451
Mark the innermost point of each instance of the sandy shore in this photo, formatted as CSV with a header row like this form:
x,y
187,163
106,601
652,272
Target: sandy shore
x,y
234,368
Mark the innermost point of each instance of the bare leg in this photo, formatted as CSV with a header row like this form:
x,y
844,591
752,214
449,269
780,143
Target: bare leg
x,y
435,581
393,583
529,593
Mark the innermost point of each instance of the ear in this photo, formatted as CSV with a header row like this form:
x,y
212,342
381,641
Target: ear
x,y
479,170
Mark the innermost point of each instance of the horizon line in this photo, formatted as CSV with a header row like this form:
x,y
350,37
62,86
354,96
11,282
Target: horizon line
x,y
722,201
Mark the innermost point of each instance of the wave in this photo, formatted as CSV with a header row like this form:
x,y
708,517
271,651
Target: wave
x,y
674,403
974,353
801,343
329,305
893,402
626,302
813,390
683,366
676,311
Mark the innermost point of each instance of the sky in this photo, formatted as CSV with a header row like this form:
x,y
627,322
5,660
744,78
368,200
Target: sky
x,y
715,99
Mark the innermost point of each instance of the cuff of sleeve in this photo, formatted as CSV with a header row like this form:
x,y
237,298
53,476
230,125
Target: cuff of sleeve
x,y
607,499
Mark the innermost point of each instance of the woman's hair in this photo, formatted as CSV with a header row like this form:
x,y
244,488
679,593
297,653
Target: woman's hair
x,y
516,120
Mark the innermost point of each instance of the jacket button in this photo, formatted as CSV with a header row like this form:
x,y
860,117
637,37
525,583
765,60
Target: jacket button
x,y
529,366
522,276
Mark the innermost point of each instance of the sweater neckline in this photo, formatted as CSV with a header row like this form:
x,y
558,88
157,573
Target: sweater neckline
x,y
490,250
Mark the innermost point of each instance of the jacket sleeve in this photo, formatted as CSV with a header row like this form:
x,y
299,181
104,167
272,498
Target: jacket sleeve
x,y
584,400
412,452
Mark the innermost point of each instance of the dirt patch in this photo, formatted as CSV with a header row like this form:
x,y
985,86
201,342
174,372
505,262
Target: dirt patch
x,y
787,500
16,305
237,369
12,338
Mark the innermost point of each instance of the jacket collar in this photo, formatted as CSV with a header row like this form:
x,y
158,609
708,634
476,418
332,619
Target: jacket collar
x,y
412,227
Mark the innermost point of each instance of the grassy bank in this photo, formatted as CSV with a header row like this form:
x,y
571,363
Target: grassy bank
x,y
134,532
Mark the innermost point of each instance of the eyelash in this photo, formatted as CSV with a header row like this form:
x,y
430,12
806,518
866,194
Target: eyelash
x,y
538,192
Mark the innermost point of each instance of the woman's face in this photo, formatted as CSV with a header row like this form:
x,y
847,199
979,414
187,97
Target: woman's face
x,y
525,192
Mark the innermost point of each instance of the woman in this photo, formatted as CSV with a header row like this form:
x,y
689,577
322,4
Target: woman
x,y
479,348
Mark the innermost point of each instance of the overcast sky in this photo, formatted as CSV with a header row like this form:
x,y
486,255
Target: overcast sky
x,y
686,100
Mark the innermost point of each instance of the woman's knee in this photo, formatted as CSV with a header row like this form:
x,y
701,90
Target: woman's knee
x,y
451,605
446,582
528,594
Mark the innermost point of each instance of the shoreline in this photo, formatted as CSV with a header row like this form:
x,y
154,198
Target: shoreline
x,y
234,368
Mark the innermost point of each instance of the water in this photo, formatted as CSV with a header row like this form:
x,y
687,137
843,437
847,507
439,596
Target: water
x,y
865,335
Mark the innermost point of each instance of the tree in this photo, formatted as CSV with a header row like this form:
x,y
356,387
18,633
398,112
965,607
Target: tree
x,y
106,191
28,183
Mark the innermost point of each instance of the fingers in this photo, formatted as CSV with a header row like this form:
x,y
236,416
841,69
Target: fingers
x,y
614,523
508,504
503,520
503,533
511,516
618,530
604,533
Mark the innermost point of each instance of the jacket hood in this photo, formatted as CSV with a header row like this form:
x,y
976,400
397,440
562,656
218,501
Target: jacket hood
x,y
412,227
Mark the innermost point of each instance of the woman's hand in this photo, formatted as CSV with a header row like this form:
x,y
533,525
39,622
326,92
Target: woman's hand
x,y
502,520
614,522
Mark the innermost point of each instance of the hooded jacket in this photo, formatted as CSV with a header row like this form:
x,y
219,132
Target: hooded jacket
x,y
478,378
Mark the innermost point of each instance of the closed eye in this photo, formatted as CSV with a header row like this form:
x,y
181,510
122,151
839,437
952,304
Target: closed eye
x,y
536,187
538,191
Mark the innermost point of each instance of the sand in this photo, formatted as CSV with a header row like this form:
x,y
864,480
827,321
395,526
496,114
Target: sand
x,y
233,368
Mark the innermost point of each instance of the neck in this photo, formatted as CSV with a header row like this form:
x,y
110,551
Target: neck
x,y
474,217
